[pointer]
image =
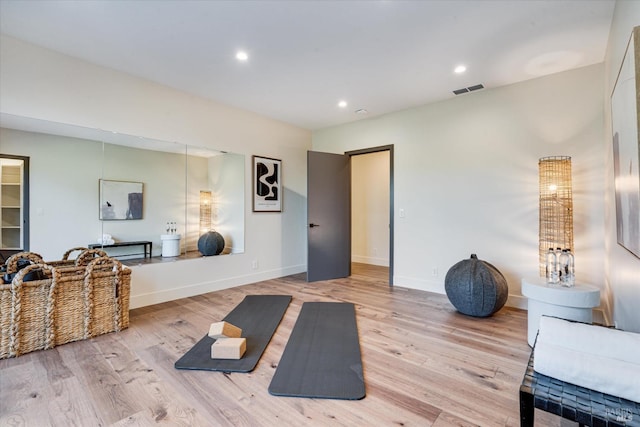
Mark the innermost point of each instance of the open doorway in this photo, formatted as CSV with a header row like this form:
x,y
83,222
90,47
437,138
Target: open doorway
x,y
372,208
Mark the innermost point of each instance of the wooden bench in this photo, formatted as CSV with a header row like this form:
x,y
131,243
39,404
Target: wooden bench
x,y
582,405
144,243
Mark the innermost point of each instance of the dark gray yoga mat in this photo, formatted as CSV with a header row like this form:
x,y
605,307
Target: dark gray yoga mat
x,y
258,316
322,357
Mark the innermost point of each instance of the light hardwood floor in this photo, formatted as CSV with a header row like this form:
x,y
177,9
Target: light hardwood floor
x,y
424,365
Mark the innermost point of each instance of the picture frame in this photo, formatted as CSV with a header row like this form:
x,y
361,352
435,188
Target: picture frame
x,y
120,200
267,184
625,124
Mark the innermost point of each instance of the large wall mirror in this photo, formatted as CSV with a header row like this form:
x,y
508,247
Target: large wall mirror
x,y
77,176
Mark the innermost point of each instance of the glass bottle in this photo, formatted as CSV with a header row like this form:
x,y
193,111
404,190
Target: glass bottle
x,y
551,266
571,271
563,267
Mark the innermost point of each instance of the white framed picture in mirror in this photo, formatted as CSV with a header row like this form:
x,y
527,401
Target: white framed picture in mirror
x,y
120,200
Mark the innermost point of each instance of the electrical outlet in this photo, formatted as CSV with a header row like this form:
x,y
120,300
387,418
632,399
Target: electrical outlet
x,y
434,271
254,264
401,213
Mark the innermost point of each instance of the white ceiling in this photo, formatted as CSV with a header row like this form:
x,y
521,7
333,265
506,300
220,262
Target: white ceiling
x,y
305,55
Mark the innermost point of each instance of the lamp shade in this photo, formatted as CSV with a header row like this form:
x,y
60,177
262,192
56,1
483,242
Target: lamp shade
x,y
556,206
205,211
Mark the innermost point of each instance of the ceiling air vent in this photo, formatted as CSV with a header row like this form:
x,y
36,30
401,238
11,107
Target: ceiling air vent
x,y
468,89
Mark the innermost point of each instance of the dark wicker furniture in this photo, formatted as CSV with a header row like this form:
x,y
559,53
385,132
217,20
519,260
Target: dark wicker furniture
x,y
582,405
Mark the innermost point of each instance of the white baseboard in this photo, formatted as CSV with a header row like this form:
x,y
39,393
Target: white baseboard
x,y
435,286
164,295
420,284
384,262
517,301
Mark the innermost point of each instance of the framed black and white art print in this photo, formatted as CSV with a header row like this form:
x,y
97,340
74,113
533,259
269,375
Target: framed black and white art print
x,y
267,184
625,121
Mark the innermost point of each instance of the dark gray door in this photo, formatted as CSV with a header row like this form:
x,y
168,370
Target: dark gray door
x,y
328,216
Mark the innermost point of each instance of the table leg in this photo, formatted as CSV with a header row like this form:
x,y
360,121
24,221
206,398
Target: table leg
x,y
526,409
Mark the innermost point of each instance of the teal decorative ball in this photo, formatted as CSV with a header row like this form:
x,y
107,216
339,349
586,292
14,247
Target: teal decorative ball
x,y
211,243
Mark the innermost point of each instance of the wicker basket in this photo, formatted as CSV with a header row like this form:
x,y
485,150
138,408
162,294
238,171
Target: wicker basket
x,y
5,319
65,261
12,261
82,259
31,312
72,304
107,289
89,255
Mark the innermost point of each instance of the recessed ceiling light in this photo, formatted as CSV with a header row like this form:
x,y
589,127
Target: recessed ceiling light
x,y
342,104
241,55
460,69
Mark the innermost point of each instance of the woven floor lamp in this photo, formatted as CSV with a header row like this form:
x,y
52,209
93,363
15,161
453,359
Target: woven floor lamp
x,y
205,211
556,206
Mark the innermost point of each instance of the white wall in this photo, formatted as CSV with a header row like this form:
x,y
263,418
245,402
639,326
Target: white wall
x,y
466,175
370,208
39,83
623,268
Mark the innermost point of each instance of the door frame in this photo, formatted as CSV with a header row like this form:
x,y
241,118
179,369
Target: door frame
x,y
388,148
25,205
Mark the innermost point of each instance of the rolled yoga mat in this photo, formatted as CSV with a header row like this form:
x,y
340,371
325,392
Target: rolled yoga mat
x,y
258,316
322,357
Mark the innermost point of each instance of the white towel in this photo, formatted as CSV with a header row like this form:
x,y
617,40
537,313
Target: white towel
x,y
598,358
597,340
106,239
611,376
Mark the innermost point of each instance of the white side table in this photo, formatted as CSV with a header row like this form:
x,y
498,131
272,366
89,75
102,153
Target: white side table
x,y
170,245
575,303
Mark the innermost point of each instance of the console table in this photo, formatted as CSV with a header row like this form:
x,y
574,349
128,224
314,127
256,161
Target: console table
x,y
145,244
574,303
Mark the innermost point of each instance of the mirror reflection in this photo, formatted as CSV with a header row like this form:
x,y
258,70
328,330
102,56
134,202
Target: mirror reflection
x,y
80,175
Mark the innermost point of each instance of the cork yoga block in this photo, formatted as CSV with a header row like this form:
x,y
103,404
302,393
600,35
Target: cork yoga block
x,y
224,330
228,348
